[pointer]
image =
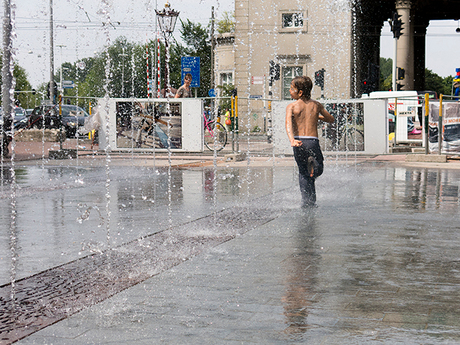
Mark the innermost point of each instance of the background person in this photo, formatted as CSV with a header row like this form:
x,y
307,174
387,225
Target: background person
x,y
185,91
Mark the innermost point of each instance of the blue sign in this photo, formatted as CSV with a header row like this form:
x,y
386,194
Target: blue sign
x,y
212,93
191,64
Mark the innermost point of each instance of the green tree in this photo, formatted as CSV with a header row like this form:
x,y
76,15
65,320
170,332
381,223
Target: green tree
x,y
434,82
227,23
447,83
127,75
226,91
177,51
22,84
386,66
197,43
23,90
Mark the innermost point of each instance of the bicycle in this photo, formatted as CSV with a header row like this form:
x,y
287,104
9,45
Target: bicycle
x,y
215,134
346,133
352,139
346,138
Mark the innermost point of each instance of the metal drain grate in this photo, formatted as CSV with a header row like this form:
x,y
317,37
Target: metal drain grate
x,y
55,294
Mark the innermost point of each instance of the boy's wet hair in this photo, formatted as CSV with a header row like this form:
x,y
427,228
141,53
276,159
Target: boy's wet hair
x,y
303,84
188,76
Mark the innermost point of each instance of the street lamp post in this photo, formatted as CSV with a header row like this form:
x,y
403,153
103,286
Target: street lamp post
x,y
61,88
167,21
7,78
52,95
123,55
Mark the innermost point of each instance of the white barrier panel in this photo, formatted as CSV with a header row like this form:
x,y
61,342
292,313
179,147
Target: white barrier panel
x,y
406,109
151,124
361,126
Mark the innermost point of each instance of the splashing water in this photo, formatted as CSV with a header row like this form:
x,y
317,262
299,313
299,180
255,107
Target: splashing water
x,y
104,12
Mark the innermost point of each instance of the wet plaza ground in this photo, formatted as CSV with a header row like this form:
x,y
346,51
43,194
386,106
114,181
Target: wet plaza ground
x,y
132,251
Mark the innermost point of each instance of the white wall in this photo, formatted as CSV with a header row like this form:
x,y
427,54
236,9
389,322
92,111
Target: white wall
x,y
375,126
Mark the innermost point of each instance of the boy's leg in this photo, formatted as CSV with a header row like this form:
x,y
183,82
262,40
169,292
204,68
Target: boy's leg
x,y
310,162
307,190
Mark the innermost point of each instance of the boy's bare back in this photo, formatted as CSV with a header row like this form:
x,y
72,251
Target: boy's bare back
x,y
302,118
305,116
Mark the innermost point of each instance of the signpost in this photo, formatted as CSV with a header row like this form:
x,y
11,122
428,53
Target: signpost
x,y
68,84
191,64
257,80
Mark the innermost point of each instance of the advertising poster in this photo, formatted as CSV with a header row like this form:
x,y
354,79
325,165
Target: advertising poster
x,y
148,124
451,124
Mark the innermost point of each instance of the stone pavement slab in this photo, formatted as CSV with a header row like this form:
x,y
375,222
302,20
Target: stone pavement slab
x,y
377,262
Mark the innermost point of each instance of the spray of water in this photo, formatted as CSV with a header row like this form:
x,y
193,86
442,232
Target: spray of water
x,y
7,102
104,12
215,110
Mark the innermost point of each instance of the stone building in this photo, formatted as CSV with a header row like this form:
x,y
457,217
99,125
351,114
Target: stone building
x,y
298,37
304,36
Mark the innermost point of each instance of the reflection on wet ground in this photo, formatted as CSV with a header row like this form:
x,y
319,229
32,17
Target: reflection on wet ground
x,y
375,262
61,211
381,264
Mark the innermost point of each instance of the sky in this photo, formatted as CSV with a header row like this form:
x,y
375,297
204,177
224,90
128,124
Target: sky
x,y
442,46
84,27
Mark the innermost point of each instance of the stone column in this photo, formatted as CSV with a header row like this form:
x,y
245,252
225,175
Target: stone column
x,y
405,58
419,52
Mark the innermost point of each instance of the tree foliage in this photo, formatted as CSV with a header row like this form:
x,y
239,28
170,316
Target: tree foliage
x,y
434,82
227,23
386,66
197,40
25,96
127,64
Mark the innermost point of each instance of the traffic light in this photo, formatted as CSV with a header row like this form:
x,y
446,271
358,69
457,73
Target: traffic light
x,y
54,89
401,73
366,86
399,87
374,74
373,77
319,78
274,71
396,25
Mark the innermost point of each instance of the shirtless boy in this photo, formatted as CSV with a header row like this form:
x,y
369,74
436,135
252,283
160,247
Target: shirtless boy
x,y
302,129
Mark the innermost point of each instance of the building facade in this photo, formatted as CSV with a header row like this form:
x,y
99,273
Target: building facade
x,y
294,38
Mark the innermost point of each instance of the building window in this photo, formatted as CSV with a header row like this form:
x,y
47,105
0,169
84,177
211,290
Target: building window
x,y
226,78
291,20
289,73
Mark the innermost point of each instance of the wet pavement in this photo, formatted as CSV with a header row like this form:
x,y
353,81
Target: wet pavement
x,y
130,251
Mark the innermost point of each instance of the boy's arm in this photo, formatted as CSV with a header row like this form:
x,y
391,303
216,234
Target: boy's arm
x,y
289,130
325,116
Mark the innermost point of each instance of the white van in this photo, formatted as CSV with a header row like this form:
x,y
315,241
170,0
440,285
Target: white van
x,y
408,126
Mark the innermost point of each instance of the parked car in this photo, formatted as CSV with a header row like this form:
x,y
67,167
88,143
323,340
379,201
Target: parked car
x,y
73,117
20,117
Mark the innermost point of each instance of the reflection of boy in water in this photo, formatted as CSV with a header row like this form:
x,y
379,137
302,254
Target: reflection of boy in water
x,y
302,129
